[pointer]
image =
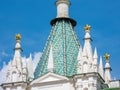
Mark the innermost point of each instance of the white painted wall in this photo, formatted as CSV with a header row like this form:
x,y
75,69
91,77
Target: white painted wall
x,y
65,86
62,10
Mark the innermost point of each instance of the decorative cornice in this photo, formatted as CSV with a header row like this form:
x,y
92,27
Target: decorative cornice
x,y
73,22
63,1
14,84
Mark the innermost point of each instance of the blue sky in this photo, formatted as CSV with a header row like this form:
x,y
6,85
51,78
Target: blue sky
x,y
31,18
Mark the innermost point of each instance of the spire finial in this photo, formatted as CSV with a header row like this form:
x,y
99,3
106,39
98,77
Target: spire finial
x,y
101,62
95,56
101,67
17,36
107,69
87,27
87,43
50,60
17,65
87,31
107,56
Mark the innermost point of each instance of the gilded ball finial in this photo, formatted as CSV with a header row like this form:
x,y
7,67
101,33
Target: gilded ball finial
x,y
18,36
87,27
107,56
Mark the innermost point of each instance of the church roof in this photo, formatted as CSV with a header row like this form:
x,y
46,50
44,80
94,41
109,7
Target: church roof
x,y
65,50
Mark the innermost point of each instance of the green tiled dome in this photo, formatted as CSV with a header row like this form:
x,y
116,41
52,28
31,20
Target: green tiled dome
x,y
65,50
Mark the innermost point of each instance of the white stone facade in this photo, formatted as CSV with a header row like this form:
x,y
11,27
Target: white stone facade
x,y
90,74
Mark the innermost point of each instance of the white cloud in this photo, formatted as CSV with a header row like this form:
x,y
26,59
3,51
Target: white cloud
x,y
36,58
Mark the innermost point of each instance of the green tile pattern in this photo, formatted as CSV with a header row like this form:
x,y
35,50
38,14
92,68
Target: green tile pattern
x,y
65,50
